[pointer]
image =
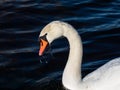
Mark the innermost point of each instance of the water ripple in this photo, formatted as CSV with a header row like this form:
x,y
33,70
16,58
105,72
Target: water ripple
x,y
98,23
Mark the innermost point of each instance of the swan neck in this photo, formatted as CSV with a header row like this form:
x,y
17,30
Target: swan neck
x,y
72,71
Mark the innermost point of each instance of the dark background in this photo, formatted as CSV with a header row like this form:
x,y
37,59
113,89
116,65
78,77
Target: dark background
x,y
97,22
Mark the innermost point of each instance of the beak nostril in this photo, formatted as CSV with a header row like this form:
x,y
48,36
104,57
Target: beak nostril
x,y
41,43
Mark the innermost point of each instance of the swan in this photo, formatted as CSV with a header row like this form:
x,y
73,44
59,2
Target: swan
x,y
107,77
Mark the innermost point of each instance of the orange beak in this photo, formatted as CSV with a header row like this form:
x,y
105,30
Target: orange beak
x,y
43,46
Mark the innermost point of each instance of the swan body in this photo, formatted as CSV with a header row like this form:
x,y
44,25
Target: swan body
x,y
106,77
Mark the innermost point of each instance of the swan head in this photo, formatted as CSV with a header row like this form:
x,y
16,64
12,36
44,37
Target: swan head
x,y
49,33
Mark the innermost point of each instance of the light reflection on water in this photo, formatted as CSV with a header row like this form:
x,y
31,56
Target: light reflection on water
x,y
20,23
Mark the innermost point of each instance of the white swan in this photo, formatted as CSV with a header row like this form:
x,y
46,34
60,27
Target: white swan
x,y
106,77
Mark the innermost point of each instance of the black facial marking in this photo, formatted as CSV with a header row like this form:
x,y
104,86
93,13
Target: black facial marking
x,y
43,37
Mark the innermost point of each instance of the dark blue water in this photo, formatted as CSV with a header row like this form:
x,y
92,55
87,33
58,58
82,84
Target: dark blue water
x,y
97,21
